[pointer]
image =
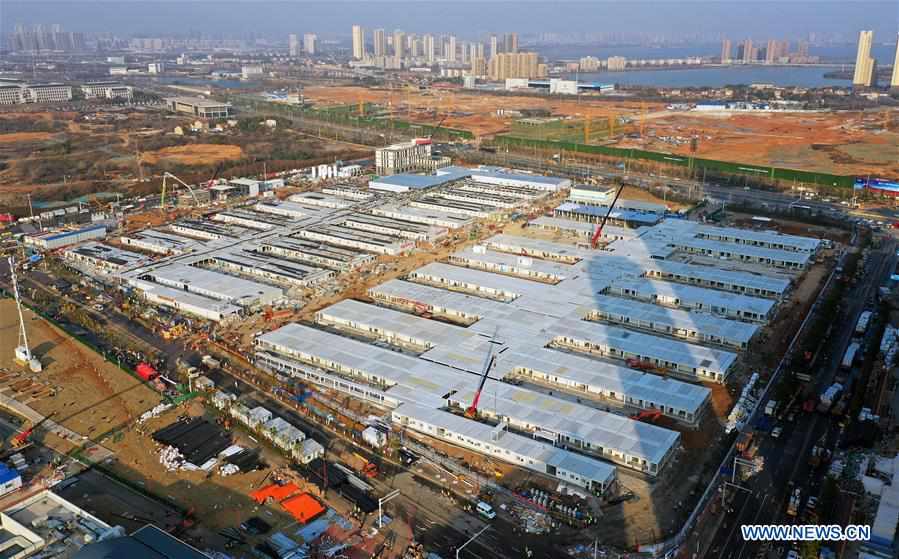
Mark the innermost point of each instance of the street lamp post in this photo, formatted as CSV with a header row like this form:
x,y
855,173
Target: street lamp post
x,y
381,501
471,539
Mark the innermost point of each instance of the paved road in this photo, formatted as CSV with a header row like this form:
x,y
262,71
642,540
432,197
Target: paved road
x,y
764,498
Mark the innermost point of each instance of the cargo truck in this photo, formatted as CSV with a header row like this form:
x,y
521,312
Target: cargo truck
x,y
850,355
862,325
829,397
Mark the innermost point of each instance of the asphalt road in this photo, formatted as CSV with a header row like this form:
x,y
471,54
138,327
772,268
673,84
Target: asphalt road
x,y
764,498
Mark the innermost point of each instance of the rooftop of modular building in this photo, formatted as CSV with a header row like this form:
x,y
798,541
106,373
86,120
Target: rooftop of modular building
x,y
508,261
644,218
703,323
214,283
467,348
510,286
448,204
293,207
418,214
393,223
209,227
106,253
164,239
185,297
715,247
515,244
415,293
348,191
506,189
250,214
690,294
497,199
645,345
486,172
51,235
389,321
420,381
268,263
319,199
416,182
718,275
772,237
450,174
584,466
585,228
314,248
585,370
351,234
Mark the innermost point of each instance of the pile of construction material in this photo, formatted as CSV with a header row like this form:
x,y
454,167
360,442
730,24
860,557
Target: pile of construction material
x,y
744,406
196,441
171,459
154,412
532,522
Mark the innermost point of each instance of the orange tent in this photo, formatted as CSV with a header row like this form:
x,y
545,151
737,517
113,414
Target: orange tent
x,y
274,492
303,507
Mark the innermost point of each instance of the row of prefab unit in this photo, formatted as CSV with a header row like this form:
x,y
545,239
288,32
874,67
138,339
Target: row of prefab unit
x,y
552,307
280,432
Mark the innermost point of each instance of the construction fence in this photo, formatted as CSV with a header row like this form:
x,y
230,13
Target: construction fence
x,y
696,163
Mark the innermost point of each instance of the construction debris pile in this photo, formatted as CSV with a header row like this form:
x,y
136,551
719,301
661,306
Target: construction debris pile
x,y
531,521
744,406
154,412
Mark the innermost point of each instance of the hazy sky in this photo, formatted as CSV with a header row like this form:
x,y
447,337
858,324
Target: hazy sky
x,y
672,18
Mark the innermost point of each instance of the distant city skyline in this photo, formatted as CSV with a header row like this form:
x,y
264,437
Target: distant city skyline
x,y
665,20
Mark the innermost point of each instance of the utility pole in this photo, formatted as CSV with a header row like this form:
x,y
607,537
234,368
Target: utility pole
x,y
471,539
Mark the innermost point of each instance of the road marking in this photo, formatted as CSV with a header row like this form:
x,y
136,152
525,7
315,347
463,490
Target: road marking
x,y
754,519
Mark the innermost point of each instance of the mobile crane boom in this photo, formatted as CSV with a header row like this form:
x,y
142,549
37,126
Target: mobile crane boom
x,y
598,233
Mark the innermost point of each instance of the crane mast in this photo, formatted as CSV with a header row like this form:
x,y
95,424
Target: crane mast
x,y
23,351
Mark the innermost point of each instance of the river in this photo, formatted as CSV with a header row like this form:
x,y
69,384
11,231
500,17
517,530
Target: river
x,y
802,76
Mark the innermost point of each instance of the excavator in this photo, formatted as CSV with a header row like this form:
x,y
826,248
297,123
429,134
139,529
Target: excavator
x,y
21,439
594,240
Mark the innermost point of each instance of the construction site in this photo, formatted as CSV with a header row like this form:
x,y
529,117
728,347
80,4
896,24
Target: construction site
x,y
838,142
572,354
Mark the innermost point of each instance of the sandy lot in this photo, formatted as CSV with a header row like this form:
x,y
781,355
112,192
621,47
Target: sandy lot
x,y
195,154
469,111
89,395
840,143
16,137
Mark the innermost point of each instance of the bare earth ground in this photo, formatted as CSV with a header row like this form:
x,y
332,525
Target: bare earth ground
x,y
90,396
194,154
838,142
482,118
25,137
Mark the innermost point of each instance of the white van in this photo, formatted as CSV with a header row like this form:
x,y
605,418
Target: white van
x,y
486,510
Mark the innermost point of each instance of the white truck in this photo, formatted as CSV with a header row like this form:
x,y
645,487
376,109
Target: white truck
x,y
862,325
771,407
850,355
829,397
